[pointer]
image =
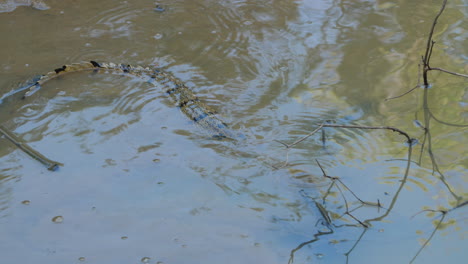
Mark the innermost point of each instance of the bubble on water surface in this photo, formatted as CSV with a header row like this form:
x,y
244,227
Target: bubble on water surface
x,y
57,219
81,258
26,202
159,8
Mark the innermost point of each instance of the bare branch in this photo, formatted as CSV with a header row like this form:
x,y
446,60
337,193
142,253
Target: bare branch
x,y
430,237
401,132
443,122
401,95
430,44
361,223
430,53
449,72
321,168
429,39
301,139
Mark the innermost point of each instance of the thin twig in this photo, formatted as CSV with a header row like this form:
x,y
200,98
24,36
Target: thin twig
x,y
430,52
412,89
301,139
429,45
288,147
449,72
361,223
430,237
355,196
429,39
328,192
316,238
427,210
423,146
443,122
401,132
444,214
435,166
323,171
355,244
403,182
458,206
403,94
344,197
286,161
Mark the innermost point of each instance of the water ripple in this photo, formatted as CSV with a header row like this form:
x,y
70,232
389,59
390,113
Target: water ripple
x,y
11,5
117,22
59,107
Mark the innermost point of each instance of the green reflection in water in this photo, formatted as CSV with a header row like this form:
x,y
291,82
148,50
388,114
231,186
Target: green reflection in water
x,y
276,70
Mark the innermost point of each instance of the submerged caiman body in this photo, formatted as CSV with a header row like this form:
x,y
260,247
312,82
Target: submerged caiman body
x,y
182,96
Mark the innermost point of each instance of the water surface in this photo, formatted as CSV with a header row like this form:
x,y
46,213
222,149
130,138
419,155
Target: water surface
x,y
142,181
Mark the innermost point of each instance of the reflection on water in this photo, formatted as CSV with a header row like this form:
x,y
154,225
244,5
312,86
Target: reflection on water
x,y
11,5
142,183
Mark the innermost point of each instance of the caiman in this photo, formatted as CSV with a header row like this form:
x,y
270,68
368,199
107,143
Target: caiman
x,y
182,96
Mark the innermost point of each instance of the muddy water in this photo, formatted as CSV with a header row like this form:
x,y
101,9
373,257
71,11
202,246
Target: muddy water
x,y
141,183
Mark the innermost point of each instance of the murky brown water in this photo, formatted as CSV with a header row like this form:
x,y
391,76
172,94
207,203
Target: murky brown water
x,y
141,183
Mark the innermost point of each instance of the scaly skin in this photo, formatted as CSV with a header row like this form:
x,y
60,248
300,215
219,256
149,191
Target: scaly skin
x,y
182,96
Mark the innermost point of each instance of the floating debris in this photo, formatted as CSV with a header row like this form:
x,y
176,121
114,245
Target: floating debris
x,y
158,36
159,8
57,219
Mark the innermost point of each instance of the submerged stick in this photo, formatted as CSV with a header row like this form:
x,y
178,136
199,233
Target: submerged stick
x,y
49,164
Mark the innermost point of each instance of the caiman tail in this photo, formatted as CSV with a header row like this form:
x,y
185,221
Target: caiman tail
x,y
182,96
